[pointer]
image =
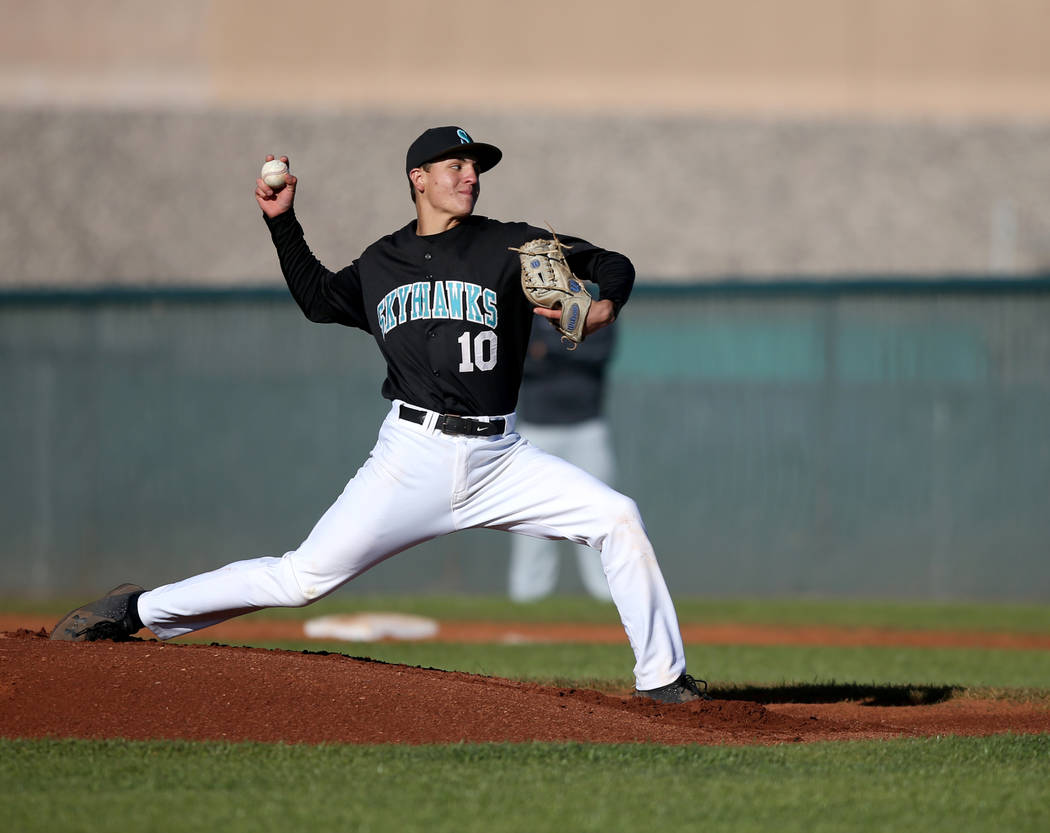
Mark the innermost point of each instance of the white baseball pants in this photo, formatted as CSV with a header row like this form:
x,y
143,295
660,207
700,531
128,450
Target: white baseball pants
x,y
419,483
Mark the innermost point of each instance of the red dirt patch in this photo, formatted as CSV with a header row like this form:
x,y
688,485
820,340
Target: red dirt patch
x,y
150,689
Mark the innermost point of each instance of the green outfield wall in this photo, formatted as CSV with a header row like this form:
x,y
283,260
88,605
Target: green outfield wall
x,y
860,438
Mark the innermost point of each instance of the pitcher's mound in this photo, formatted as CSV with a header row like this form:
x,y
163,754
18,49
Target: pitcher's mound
x,y
149,689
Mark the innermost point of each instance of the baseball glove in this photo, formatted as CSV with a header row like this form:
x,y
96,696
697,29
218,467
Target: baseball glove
x,y
548,282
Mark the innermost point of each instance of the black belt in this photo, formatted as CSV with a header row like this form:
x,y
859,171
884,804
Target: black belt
x,y
449,424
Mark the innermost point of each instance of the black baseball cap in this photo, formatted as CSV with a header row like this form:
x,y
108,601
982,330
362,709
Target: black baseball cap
x,y
438,142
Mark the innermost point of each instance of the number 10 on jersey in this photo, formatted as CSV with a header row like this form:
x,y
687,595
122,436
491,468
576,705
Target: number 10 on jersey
x,y
478,353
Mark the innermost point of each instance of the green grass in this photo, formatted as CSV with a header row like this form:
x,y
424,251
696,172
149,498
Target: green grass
x,y
992,617
944,784
974,616
950,784
609,666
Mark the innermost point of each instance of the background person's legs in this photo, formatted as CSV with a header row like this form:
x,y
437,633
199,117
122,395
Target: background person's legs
x,y
535,562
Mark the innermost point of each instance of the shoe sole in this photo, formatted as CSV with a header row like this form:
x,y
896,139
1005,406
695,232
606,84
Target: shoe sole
x,y
690,699
73,626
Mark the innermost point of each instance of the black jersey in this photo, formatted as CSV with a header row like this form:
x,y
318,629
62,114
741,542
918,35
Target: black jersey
x,y
446,310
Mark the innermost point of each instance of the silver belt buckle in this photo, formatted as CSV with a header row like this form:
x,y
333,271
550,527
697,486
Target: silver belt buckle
x,y
454,425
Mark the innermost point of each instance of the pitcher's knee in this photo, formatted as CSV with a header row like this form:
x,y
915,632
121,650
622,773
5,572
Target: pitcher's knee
x,y
298,598
621,510
623,525
300,586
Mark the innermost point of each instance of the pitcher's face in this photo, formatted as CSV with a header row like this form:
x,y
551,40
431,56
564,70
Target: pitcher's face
x,y
449,186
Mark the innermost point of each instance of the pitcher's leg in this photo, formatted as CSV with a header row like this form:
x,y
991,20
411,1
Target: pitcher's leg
x,y
399,498
539,494
213,597
641,596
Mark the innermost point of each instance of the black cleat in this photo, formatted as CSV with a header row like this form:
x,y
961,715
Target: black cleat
x,y
115,616
682,690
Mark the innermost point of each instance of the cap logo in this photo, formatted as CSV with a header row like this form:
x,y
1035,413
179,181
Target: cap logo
x,y
464,139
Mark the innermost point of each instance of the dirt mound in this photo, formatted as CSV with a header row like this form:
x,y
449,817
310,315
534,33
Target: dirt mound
x,y
148,689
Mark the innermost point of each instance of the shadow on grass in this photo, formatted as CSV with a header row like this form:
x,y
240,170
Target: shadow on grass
x,y
868,695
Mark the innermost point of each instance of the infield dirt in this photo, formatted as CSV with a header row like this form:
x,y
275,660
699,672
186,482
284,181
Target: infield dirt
x,y
148,689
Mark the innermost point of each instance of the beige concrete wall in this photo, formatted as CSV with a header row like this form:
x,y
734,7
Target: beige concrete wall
x,y
166,198
957,58
704,139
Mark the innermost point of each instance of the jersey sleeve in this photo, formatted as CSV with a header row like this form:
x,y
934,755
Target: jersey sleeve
x,y
325,297
612,271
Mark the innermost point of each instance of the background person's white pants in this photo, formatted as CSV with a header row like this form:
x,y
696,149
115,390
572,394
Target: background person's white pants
x,y
419,483
534,562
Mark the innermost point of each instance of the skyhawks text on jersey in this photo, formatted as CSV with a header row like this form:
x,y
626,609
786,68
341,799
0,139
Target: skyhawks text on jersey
x,y
452,299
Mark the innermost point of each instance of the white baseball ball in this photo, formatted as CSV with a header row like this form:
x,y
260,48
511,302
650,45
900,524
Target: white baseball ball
x,y
273,174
